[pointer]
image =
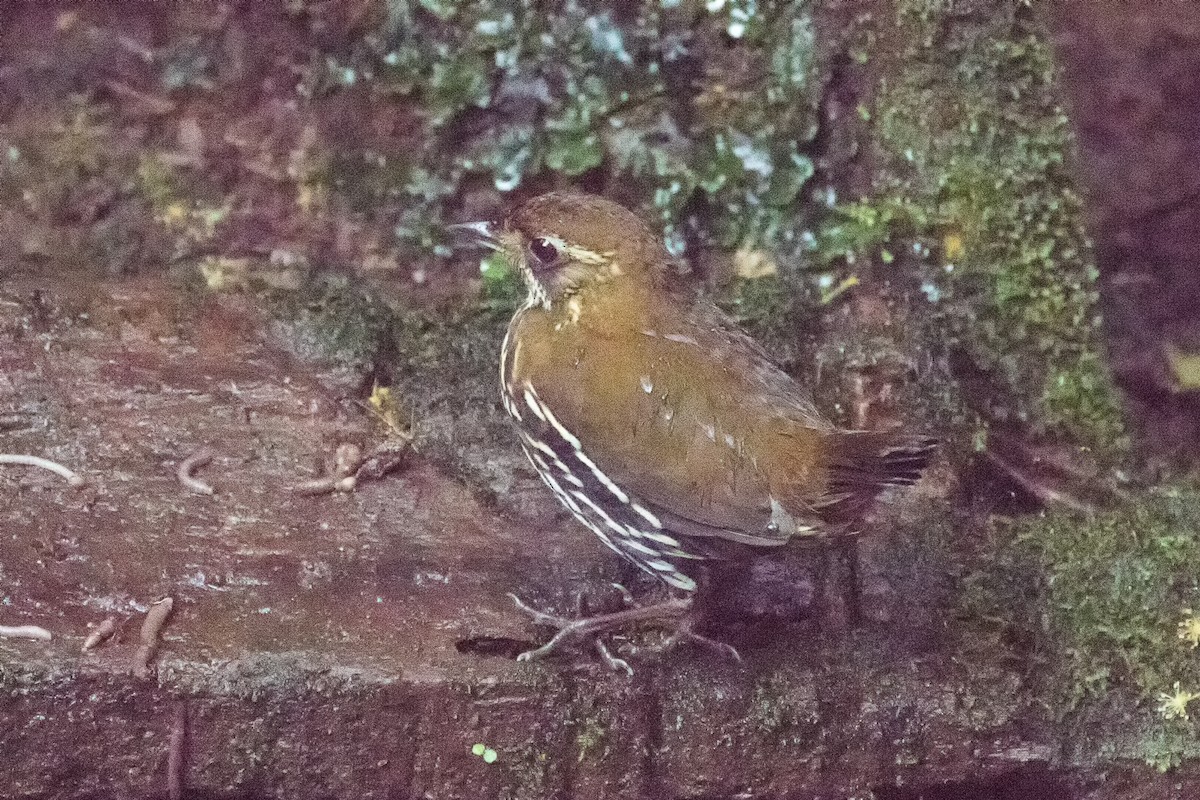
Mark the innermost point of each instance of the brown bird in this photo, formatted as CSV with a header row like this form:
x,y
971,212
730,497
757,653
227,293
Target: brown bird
x,y
659,424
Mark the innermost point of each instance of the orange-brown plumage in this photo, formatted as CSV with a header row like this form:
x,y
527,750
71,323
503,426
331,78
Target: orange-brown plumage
x,y
660,424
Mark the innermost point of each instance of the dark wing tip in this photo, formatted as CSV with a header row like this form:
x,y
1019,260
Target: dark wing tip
x,y
862,461
903,464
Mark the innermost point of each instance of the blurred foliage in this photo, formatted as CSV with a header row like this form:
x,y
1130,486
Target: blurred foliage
x,y
663,102
57,169
709,117
975,197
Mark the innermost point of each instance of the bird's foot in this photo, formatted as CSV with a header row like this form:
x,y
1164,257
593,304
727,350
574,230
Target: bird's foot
x,y
686,634
573,629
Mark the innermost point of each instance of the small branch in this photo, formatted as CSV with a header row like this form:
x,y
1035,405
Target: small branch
x,y
25,632
326,485
190,464
177,750
156,617
100,634
1041,491
72,478
348,458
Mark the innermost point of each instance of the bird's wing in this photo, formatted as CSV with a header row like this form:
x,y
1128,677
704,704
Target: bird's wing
x,y
688,418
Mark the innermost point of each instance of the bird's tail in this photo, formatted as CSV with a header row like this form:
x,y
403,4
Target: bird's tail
x,y
862,464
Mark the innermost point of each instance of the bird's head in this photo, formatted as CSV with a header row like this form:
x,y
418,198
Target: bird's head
x,y
564,243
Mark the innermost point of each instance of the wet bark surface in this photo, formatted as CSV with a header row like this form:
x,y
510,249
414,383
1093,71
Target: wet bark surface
x,y
361,644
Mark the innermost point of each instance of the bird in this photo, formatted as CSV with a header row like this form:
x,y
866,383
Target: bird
x,y
656,421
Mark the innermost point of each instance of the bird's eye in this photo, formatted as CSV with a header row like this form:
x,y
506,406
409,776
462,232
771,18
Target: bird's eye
x,y
544,251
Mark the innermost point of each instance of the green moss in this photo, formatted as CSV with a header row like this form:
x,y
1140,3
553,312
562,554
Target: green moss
x,y
507,95
1100,600
975,194
503,289
1093,606
591,735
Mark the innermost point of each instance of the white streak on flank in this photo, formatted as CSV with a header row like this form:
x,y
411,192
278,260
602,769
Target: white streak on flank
x,y
547,415
641,548
667,541
542,447
653,334
534,404
506,396
574,309
609,521
538,444
504,357
646,514
516,354
680,338
562,494
730,441
600,476
668,413
647,384
710,432
679,580
562,431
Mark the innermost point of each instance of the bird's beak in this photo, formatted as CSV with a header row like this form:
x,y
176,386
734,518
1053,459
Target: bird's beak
x,y
484,233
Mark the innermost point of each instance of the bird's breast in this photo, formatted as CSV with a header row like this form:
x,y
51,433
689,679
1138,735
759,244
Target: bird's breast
x,y
646,400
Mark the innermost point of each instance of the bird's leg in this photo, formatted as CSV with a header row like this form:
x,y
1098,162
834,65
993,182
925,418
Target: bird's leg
x,y
674,608
686,632
582,611
846,580
540,617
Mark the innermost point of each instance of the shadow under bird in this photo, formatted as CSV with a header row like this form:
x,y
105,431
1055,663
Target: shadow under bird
x,y
659,424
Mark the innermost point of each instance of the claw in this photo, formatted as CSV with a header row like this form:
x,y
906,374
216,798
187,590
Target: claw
x,y
685,634
612,662
566,631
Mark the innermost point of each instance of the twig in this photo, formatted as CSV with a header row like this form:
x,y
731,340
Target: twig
x,y
386,457
347,459
100,634
156,617
157,106
400,433
1041,491
73,478
193,462
326,485
176,752
25,632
